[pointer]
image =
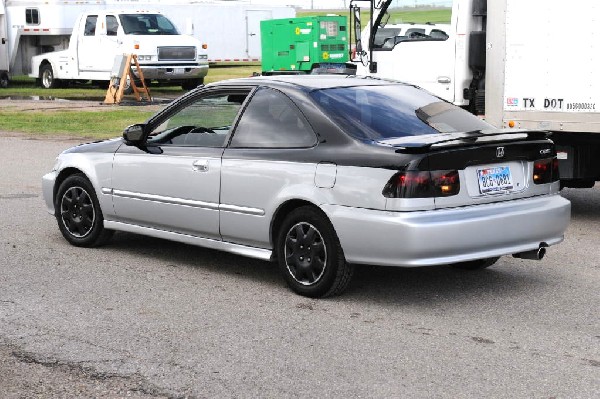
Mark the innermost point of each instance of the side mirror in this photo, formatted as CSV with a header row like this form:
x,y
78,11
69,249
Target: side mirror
x,y
134,134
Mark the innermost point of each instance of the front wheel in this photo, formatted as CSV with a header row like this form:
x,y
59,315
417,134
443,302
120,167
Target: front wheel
x,y
47,77
78,213
310,256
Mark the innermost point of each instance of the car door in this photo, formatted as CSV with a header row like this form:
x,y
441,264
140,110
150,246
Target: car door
x,y
172,182
267,158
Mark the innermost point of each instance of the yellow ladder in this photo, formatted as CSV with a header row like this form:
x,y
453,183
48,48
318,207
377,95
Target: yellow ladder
x,y
116,88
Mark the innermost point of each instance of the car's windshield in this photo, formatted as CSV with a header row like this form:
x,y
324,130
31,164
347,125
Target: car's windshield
x,y
147,24
383,112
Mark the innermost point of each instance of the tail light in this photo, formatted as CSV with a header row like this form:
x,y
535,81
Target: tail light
x,y
545,171
423,184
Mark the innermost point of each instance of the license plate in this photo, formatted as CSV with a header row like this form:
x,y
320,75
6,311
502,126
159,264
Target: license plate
x,y
179,71
494,180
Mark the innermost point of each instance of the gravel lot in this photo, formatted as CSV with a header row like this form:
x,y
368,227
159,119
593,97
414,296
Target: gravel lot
x,y
143,317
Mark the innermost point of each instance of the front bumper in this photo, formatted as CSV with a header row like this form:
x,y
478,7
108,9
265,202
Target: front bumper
x,y
173,72
448,236
48,190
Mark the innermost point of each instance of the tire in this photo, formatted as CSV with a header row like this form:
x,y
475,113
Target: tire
x,y
47,79
310,256
191,84
4,80
102,84
127,87
476,264
78,213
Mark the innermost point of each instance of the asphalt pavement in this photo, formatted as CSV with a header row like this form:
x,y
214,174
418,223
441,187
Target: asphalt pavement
x,y
143,317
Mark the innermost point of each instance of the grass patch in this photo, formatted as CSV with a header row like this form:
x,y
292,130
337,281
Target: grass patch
x,y
95,122
105,122
222,72
89,124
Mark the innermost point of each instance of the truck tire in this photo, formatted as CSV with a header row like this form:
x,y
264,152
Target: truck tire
x,y
3,79
47,79
191,84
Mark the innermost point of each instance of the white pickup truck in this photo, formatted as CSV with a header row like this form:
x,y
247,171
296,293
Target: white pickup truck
x,y
97,37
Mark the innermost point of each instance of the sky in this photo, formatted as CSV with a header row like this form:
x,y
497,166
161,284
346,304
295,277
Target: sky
x,y
342,4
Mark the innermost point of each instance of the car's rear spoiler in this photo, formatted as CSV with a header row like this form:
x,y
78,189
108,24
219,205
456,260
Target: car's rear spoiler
x,y
464,138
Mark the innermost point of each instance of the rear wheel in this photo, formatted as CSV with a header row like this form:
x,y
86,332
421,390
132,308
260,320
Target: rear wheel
x,y
78,213
3,80
47,77
476,264
310,255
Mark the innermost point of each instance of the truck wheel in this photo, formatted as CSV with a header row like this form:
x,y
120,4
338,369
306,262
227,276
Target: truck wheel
x,y
3,80
47,77
191,84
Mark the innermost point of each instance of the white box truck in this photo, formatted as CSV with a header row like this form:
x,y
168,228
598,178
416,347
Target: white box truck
x,y
98,36
525,64
230,29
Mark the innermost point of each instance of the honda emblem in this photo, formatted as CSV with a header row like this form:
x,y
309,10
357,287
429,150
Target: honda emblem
x,y
499,152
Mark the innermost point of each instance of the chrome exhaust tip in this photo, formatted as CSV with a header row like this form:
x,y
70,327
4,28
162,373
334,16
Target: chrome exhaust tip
x,y
535,254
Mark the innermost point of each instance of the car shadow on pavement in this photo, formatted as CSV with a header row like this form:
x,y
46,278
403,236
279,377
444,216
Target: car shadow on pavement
x,y
585,202
198,258
370,283
442,284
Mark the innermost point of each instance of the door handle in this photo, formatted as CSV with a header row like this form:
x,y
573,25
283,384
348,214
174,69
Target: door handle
x,y
443,79
200,165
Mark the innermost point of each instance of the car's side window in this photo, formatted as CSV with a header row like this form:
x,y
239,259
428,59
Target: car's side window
x,y
205,122
272,120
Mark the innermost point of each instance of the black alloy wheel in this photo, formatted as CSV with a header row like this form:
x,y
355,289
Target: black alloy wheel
x,y
78,213
305,253
310,255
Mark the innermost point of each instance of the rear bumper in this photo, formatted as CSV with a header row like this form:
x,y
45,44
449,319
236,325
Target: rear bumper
x,y
447,236
174,72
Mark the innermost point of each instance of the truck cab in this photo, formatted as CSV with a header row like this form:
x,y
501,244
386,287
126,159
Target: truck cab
x,y
163,54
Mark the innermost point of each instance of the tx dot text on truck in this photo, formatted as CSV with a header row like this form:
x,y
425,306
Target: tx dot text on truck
x,y
99,36
513,61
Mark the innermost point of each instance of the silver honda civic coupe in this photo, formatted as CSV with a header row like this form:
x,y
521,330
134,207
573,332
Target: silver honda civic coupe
x,y
319,173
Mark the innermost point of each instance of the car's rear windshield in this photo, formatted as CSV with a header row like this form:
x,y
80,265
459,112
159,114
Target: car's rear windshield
x,y
384,112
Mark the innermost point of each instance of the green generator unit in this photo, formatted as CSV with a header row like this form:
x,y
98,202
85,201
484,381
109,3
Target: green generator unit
x,y
317,44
